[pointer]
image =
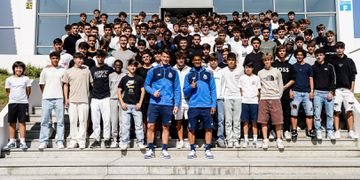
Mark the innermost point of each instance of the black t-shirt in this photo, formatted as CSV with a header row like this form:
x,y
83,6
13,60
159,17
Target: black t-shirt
x,y
100,77
131,88
142,72
302,74
256,59
286,69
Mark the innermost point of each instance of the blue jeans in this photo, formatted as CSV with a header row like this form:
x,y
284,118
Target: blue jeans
x,y
47,106
301,98
220,119
126,123
320,98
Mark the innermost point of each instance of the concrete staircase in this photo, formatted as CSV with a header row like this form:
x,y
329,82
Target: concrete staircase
x,y
300,160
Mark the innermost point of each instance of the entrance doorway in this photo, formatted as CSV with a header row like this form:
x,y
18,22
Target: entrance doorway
x,y
178,13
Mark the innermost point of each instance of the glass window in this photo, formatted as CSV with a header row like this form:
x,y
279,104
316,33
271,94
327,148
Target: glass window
x,y
115,6
6,14
8,36
328,21
257,6
320,5
148,6
284,6
52,6
78,6
50,28
43,50
227,6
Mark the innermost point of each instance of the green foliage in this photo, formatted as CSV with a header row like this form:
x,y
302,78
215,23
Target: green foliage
x,y
32,71
4,71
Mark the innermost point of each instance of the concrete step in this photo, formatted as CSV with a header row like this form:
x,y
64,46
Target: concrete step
x,y
316,167
301,142
289,152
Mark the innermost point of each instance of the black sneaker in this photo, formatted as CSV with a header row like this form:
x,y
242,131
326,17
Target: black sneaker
x,y
107,143
311,133
95,144
294,134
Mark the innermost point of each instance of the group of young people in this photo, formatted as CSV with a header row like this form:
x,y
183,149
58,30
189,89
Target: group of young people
x,y
229,75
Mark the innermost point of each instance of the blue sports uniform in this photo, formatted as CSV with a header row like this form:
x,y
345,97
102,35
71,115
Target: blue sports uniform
x,y
165,79
202,98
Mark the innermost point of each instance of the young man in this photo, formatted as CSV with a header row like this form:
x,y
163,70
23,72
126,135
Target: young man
x,y
310,56
124,54
100,100
65,58
244,49
324,85
77,81
250,90
220,116
199,88
267,45
182,113
115,107
131,94
255,56
321,38
288,76
302,93
344,94
70,41
52,99
329,48
232,101
162,83
269,104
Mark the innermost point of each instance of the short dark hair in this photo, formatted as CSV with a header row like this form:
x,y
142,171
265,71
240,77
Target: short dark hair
x,y
118,61
297,51
299,38
340,44
255,39
265,28
79,55
133,62
54,53
83,45
319,51
57,41
101,53
18,64
122,13
231,55
104,14
291,13
249,64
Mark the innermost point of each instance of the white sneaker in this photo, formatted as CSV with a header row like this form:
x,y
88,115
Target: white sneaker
x,y
72,145
287,135
279,144
209,155
114,144
123,146
180,144
60,145
149,154
141,146
265,144
272,135
337,134
353,135
237,144
42,146
165,154
331,136
245,144
230,144
192,154
318,135
256,144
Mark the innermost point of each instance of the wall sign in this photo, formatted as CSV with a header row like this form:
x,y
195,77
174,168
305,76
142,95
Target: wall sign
x,y
29,4
345,5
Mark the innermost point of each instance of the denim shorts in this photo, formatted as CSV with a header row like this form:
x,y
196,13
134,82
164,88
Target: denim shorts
x,y
304,99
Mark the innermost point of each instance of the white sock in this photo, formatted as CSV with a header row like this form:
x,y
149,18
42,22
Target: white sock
x,y
22,140
246,137
255,138
12,140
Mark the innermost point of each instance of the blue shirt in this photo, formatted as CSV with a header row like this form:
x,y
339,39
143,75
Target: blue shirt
x,y
165,79
302,74
204,95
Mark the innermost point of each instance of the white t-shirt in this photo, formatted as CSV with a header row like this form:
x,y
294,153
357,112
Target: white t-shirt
x,y
242,52
232,78
182,74
51,78
250,86
17,86
219,81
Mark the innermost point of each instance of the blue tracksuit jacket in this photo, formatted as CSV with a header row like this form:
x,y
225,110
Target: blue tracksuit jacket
x,y
204,95
165,79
